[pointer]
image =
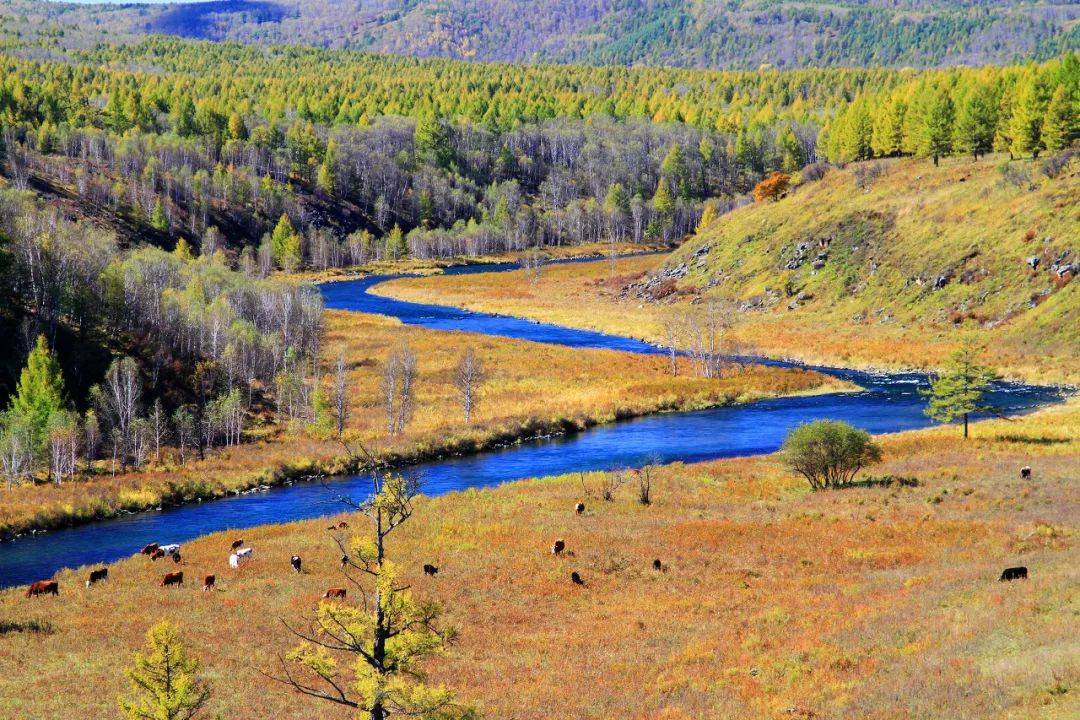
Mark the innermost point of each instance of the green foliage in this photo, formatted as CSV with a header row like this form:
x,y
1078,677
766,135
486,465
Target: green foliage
x,y
38,395
165,682
158,220
285,245
961,387
1060,126
829,453
432,142
397,247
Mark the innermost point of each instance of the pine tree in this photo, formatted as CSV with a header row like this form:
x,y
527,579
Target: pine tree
x,y
887,136
976,120
961,388
936,128
285,245
1025,126
432,142
165,682
237,128
158,221
39,394
397,247
1059,125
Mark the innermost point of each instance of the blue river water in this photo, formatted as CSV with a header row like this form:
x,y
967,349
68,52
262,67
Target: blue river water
x,y
889,402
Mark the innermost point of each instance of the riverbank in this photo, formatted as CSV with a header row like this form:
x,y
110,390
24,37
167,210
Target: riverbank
x,y
876,602
593,296
531,391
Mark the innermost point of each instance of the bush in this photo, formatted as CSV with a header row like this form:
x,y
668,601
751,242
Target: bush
x,y
772,188
829,453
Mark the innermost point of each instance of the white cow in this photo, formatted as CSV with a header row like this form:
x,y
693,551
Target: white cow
x,y
241,554
170,549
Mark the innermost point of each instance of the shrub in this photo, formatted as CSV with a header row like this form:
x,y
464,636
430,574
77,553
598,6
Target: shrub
x,y
829,453
772,187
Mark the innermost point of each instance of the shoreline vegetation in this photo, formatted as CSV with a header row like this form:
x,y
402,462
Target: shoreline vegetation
x,y
811,623
532,392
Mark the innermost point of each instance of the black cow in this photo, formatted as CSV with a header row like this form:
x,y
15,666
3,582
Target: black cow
x,y
97,576
295,561
557,547
579,508
576,579
657,565
1025,472
1014,573
430,569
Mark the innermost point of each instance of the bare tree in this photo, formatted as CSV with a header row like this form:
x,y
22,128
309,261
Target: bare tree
x,y
674,327
184,425
159,427
610,482
119,400
91,437
340,395
707,326
468,375
532,261
398,388
644,480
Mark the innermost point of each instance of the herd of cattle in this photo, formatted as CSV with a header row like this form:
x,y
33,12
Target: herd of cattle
x,y
239,554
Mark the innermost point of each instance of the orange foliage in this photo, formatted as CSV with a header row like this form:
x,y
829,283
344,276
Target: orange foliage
x,y
772,187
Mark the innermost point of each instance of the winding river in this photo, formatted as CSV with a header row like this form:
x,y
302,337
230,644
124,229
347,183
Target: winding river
x,y
889,402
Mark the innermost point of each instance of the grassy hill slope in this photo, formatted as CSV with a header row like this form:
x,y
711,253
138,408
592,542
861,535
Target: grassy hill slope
x,y
984,246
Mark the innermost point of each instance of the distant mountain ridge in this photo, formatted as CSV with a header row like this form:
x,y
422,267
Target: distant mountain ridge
x,y
683,33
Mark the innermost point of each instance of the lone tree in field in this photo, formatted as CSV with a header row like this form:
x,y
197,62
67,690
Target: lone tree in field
x,y
960,389
370,656
829,453
468,375
772,187
165,681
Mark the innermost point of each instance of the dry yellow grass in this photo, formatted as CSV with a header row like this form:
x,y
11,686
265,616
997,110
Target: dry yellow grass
x,y
870,603
533,389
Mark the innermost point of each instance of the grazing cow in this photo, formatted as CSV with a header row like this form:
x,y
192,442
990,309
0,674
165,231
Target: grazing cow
x,y
576,579
234,562
342,525
172,549
334,593
1014,573
579,508
157,554
148,549
176,578
237,543
558,547
208,583
176,558
344,561
97,576
43,587
430,569
244,553
295,561
657,565
1025,472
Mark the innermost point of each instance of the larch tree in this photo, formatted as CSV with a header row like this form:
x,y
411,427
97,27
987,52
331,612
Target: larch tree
x,y
285,245
468,376
38,395
165,680
960,389
936,128
1060,123
370,656
1025,125
976,121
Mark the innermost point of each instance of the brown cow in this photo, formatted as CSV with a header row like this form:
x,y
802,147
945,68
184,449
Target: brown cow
x,y
334,593
97,575
208,583
43,587
147,549
237,543
176,578
157,554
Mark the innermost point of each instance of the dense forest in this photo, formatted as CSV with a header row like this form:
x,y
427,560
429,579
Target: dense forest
x,y
729,34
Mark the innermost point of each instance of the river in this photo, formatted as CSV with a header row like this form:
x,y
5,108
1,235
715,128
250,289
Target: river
x,y
889,402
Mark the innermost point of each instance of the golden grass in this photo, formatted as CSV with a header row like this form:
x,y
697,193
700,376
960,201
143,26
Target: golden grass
x,y
871,603
933,220
533,389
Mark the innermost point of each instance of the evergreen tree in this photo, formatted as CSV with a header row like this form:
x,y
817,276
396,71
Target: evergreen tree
x,y
237,128
961,388
976,121
183,117
165,682
158,220
887,136
38,394
1059,125
663,202
397,247
285,245
432,142
673,167
936,129
1025,126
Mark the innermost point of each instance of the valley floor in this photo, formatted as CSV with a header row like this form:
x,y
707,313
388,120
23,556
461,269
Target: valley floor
x,y
530,390
774,602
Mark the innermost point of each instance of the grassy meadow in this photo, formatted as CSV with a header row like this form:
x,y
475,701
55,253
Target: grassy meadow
x,y
876,603
531,390
874,301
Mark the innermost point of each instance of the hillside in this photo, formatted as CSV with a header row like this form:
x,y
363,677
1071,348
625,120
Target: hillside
x,y
685,33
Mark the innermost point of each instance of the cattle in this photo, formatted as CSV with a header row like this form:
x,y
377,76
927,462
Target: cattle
x,y
176,558
1025,472
237,543
97,576
244,552
344,561
1014,573
657,565
157,554
430,569
558,547
295,561
579,508
43,587
334,593
147,549
173,578
234,562
576,579
208,583
172,549
342,525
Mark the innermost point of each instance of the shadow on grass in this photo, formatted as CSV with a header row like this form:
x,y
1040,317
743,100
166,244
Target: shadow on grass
x,y
883,481
1033,440
41,627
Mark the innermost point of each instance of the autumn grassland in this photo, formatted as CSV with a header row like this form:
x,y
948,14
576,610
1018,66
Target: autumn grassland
x,y
872,602
914,257
531,390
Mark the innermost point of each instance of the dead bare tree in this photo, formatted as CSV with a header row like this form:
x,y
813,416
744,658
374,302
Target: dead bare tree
x,y
674,326
644,480
340,395
398,388
707,327
468,375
